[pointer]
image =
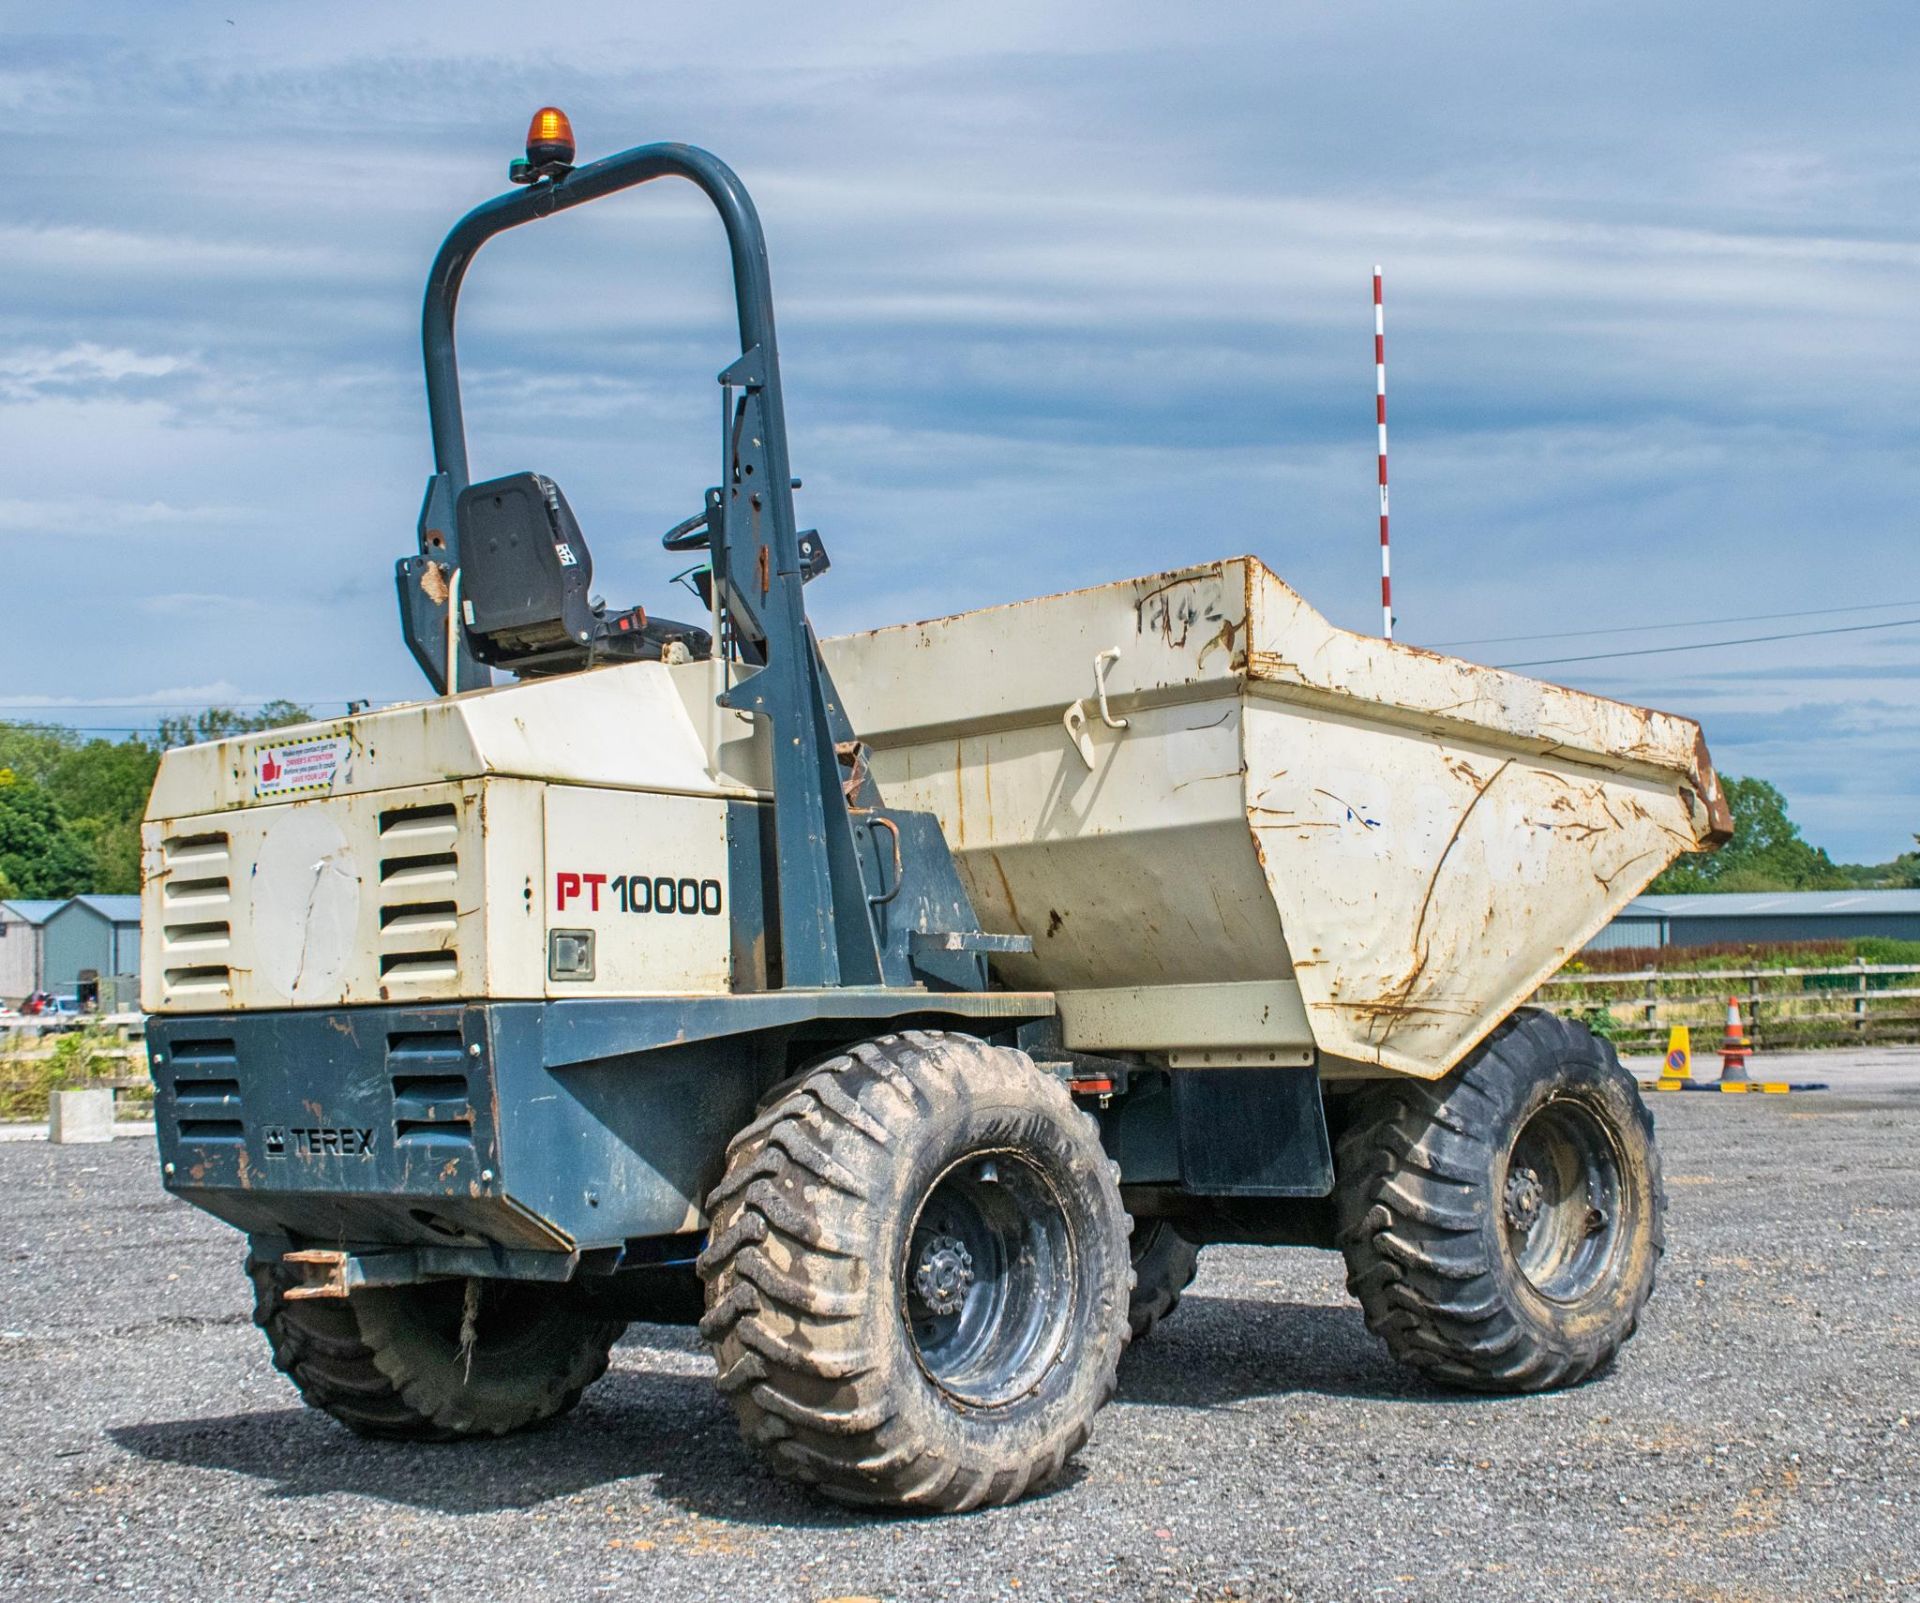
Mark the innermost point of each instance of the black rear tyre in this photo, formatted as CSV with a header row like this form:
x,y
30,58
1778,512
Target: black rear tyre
x,y
917,1275
1502,1226
389,1361
1164,1264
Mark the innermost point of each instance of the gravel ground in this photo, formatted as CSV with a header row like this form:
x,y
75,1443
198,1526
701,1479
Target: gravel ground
x,y
1760,1439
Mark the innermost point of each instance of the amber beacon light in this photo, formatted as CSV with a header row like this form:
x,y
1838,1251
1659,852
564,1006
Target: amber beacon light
x,y
549,147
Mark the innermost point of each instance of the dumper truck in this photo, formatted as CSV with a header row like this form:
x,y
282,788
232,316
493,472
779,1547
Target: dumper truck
x,y
907,1009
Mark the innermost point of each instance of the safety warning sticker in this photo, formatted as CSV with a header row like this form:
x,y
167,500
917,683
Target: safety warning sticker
x,y
300,765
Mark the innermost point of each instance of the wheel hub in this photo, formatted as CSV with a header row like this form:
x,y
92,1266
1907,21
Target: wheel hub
x,y
988,1283
1524,1197
1562,1201
944,1274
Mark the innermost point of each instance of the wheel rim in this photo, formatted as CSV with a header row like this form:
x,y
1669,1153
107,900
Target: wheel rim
x,y
1562,1201
987,1280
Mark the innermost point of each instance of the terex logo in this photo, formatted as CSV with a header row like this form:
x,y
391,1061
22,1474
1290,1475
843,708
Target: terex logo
x,y
317,1141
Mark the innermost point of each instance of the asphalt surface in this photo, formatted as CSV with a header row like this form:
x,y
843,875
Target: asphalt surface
x,y
1760,1439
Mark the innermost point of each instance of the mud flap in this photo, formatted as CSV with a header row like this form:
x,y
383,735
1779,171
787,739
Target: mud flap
x,y
1252,1132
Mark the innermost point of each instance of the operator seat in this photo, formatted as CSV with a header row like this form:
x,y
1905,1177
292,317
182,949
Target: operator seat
x,y
526,582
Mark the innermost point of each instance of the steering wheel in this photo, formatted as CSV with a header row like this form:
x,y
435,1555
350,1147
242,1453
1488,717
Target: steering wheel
x,y
691,534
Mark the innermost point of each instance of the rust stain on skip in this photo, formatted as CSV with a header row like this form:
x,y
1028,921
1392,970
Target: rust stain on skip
x,y
1397,1004
1006,890
1223,640
1713,798
1605,881
1271,665
959,793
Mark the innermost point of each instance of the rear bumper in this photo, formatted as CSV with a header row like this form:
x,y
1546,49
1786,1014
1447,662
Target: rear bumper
x,y
497,1127
438,1127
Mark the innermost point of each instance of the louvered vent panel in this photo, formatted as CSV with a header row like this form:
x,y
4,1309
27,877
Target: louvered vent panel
x,y
419,875
432,1104
206,1092
196,912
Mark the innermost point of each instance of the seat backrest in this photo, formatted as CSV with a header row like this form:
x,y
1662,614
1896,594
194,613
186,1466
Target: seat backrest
x,y
526,574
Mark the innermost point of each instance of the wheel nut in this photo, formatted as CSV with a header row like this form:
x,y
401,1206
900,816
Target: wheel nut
x,y
944,1275
1524,1196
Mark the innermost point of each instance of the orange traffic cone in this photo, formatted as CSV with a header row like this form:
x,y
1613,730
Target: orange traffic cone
x,y
1733,1049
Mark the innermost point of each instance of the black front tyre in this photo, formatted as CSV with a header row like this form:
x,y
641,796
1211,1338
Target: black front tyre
x,y
917,1275
1502,1225
392,1361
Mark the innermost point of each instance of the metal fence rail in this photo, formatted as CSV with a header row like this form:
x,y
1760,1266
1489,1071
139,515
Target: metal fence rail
x,y
1781,1007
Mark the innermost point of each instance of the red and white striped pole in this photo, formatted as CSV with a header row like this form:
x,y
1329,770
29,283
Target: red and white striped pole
x,y
1380,413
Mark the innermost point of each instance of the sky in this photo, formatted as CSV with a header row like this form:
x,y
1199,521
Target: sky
x,y
1067,293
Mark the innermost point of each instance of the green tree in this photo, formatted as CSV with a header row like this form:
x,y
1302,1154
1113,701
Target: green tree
x,y
70,814
33,751
104,779
1767,852
99,788
1898,873
1904,870
112,846
39,855
217,723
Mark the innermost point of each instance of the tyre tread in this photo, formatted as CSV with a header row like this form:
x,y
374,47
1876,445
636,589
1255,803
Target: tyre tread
x,y
794,1357
370,1388
1163,1269
1411,1203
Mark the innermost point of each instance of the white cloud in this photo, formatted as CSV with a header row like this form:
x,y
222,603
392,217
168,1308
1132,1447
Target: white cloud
x,y
28,369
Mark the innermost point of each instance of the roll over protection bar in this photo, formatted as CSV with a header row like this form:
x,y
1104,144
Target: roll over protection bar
x,y
827,934
752,283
